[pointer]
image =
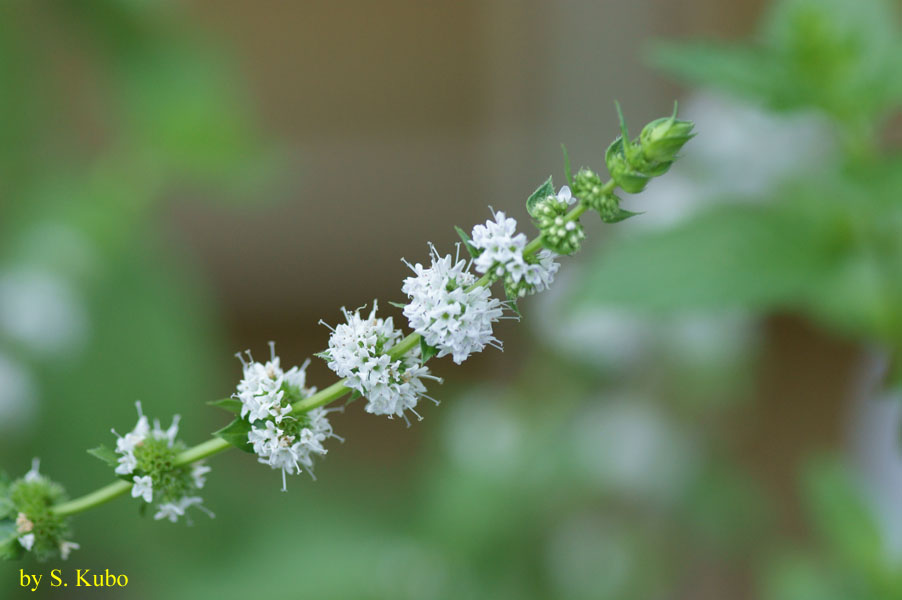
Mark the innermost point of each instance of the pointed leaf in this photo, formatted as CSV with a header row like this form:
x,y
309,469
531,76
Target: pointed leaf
x,y
512,300
105,454
398,304
468,244
232,405
567,170
543,191
619,215
7,508
10,548
427,351
235,433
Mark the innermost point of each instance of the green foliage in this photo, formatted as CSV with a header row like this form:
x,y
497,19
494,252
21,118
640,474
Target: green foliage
x,y
232,405
235,433
426,351
541,193
840,56
851,559
730,257
467,242
105,454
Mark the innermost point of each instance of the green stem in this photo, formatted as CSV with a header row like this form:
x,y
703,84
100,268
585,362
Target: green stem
x,y
104,494
323,397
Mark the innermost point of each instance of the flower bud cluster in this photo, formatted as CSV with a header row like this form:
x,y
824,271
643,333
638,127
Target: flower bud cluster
x,y
150,457
587,186
26,506
559,234
358,351
279,439
633,163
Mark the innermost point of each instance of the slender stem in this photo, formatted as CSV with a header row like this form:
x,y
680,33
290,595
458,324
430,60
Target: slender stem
x,y
104,494
323,397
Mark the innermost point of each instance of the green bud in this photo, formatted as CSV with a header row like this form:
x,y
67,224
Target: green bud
x,y
559,234
587,186
31,500
663,138
622,169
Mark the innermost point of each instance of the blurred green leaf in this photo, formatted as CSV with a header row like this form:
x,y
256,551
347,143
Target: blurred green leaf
x,y
843,57
728,257
740,70
839,514
105,454
232,405
797,578
10,549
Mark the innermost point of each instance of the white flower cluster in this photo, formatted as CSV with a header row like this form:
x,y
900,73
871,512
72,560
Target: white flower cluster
x,y
126,444
502,255
358,352
25,527
157,443
291,448
279,439
451,317
262,389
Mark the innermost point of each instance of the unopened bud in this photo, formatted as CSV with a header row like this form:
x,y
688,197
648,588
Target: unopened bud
x,y
663,138
622,172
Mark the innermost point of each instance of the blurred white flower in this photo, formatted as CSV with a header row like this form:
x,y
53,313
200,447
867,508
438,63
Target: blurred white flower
x,y
42,311
612,338
620,339
630,447
484,436
66,549
877,453
588,558
61,248
143,488
27,541
18,397
711,340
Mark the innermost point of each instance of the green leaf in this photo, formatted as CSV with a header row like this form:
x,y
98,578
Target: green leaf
x,y
739,70
618,215
355,394
427,351
567,171
841,516
543,191
728,257
468,244
398,304
105,454
232,405
10,548
7,508
235,433
512,299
